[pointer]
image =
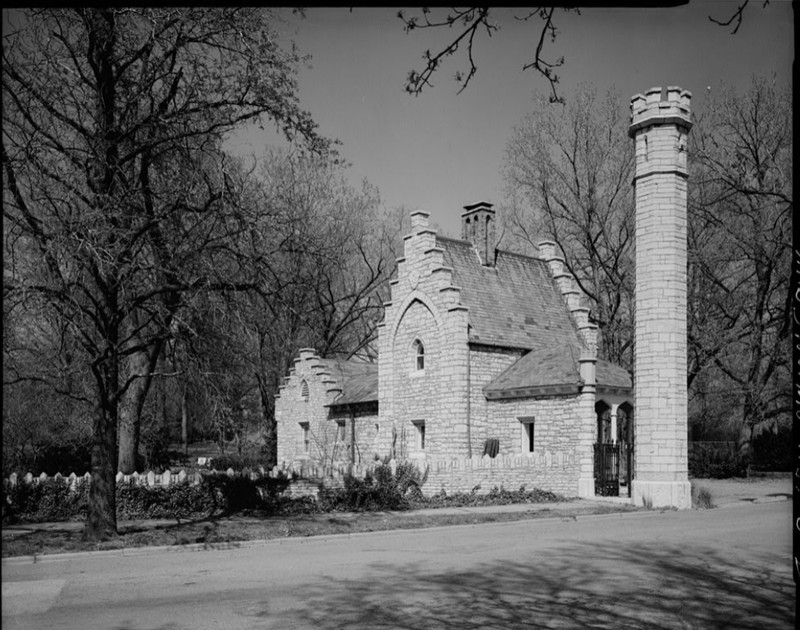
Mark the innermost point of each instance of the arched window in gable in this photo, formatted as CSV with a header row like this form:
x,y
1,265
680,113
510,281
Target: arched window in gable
x,y
304,390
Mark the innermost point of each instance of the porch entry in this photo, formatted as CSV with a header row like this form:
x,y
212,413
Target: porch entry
x,y
613,451
613,469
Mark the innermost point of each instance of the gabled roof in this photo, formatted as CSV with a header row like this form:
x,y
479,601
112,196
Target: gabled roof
x,y
554,371
358,379
515,304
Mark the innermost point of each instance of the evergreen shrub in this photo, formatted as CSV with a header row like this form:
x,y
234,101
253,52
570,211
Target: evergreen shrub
x,y
707,461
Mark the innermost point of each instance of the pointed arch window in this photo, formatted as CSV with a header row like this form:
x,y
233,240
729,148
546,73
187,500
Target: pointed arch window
x,y
419,356
304,390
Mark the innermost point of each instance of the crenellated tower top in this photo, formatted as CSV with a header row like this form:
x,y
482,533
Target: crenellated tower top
x,y
660,107
660,124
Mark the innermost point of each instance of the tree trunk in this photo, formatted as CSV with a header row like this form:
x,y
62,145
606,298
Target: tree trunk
x,y
268,419
185,421
130,411
140,365
101,523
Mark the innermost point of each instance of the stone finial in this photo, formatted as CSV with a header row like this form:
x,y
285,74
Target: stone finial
x,y
547,249
307,354
419,220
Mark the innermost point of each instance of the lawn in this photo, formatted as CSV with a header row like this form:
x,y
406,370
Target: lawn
x,y
229,531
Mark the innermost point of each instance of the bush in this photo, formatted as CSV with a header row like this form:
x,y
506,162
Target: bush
x,y
238,493
50,500
702,498
376,492
708,461
772,450
180,500
495,496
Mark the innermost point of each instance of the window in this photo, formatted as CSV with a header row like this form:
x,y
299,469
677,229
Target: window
x,y
304,428
341,428
527,423
304,391
420,426
419,356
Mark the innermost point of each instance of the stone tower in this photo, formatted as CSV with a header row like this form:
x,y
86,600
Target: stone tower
x,y
659,126
477,227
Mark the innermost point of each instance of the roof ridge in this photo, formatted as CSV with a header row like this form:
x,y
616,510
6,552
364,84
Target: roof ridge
x,y
506,252
452,239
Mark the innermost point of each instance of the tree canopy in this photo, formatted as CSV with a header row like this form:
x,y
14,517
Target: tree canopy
x,y
120,205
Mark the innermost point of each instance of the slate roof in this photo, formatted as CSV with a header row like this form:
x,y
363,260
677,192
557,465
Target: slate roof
x,y
515,304
552,371
612,376
359,380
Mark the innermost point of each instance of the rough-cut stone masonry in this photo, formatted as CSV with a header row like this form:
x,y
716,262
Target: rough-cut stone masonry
x,y
552,471
425,307
463,317
486,362
303,401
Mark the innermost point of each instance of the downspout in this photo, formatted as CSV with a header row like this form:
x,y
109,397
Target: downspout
x,y
469,404
352,436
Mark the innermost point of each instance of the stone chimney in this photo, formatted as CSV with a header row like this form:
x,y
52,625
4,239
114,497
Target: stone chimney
x,y
477,227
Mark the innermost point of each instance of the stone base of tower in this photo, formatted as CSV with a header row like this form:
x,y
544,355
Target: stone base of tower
x,y
657,494
586,488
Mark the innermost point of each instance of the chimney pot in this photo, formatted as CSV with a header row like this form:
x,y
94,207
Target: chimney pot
x,y
477,227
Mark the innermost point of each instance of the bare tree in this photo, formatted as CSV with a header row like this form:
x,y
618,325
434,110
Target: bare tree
x,y
469,23
570,167
113,177
330,257
334,259
740,248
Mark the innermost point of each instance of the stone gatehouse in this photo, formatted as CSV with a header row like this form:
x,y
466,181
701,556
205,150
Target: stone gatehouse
x,y
487,372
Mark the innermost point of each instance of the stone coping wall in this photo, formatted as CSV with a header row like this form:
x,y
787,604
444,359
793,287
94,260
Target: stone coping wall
x,y
552,471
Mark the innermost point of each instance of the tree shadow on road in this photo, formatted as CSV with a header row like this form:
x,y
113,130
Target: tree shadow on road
x,y
630,586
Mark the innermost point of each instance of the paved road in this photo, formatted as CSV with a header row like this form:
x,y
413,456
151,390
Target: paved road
x,y
692,569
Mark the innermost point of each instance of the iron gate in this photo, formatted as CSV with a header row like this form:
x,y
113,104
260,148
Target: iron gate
x,y
613,469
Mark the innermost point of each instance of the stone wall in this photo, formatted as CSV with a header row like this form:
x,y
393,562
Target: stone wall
x,y
293,409
424,306
485,363
557,422
417,391
329,433
370,439
553,471
549,470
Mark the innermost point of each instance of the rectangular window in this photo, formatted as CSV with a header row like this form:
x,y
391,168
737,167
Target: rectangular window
x,y
341,431
420,426
527,424
305,429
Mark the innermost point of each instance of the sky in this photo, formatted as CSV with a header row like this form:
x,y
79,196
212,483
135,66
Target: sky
x,y
442,150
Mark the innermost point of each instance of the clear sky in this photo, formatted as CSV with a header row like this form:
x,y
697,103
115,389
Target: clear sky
x,y
443,150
